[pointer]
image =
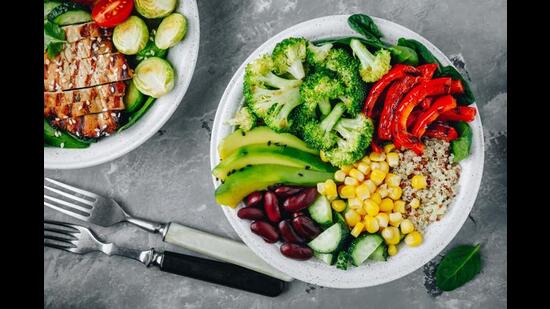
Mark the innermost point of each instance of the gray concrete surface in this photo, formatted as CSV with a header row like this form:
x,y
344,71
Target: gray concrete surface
x,y
167,178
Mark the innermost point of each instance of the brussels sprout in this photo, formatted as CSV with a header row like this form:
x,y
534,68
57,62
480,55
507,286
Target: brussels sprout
x,y
155,8
154,77
131,36
171,30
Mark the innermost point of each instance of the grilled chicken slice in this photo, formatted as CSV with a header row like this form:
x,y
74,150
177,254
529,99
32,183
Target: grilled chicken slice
x,y
85,48
90,126
105,91
82,108
75,33
67,75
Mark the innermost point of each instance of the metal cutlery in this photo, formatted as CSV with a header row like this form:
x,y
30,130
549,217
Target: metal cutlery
x,y
78,239
104,211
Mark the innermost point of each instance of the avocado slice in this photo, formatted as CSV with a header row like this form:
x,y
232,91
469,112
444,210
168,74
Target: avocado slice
x,y
269,154
258,177
260,135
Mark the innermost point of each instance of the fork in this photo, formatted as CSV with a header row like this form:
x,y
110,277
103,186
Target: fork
x,y
81,240
104,211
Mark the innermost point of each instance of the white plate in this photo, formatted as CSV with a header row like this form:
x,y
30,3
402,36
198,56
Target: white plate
x,y
437,236
183,57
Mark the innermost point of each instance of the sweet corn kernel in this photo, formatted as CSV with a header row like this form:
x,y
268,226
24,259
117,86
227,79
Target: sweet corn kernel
x,y
371,185
383,191
339,176
357,229
323,156
338,205
395,218
393,237
321,188
346,168
384,167
377,157
352,217
350,181
413,239
419,182
355,173
392,250
406,226
331,197
371,207
377,176
361,211
387,233
399,206
362,191
376,197
355,203
363,168
347,192
330,188
395,193
375,166
388,148
415,203
393,180
371,224
382,219
386,205
393,159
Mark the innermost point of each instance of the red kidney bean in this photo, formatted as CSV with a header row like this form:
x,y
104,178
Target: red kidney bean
x,y
254,199
251,213
265,230
297,214
296,251
288,234
305,227
271,206
301,200
286,191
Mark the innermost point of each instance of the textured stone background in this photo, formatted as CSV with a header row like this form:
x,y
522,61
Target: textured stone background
x,y
167,178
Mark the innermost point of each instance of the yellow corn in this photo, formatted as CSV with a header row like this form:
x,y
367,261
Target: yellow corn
x,y
346,168
388,148
371,224
406,226
383,191
347,192
395,218
352,217
413,239
399,206
384,167
393,180
357,229
339,176
366,160
377,176
415,203
371,207
395,193
350,181
338,205
382,219
355,173
371,185
392,250
363,168
393,159
386,205
355,203
419,182
376,197
321,188
377,157
391,235
375,166
323,156
362,191
330,188
361,211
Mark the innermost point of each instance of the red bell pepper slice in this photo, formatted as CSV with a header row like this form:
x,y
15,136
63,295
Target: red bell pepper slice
x,y
461,113
398,71
441,131
441,105
375,147
457,87
394,94
427,70
412,118
426,103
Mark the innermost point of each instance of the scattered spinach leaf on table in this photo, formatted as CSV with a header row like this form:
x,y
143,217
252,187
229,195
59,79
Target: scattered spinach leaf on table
x,y
460,265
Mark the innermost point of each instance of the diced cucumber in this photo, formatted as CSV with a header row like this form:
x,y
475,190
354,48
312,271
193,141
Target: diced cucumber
x,y
321,212
49,6
329,240
363,246
133,98
64,8
380,254
342,261
73,17
328,258
338,218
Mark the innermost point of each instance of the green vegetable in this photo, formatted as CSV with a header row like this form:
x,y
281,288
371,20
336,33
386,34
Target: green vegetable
x,y
54,137
460,147
318,90
151,50
288,56
330,240
342,261
328,258
380,254
73,17
459,266
63,8
49,6
54,39
321,211
155,8
171,30
316,55
320,135
373,67
135,116
133,99
154,77
131,36
425,55
467,97
244,119
362,247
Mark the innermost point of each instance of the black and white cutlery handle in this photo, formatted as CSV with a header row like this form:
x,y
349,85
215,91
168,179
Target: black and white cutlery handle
x,y
219,273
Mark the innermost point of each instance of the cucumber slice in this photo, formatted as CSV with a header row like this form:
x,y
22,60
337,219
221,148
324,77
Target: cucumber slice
x,y
64,8
49,6
328,241
328,258
342,261
338,218
133,98
380,254
321,212
73,17
363,246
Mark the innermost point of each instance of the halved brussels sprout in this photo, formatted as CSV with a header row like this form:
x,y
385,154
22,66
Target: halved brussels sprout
x,y
155,8
154,77
131,36
171,30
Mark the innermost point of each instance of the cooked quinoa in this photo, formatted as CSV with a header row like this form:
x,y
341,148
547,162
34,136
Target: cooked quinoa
x,y
442,178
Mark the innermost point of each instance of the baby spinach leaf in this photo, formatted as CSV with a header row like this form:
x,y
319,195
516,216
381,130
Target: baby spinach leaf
x,y
461,146
459,266
365,25
137,114
54,38
423,52
467,97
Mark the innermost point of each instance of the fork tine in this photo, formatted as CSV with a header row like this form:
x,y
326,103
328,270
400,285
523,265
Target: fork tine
x,y
66,186
61,239
68,204
72,228
57,245
76,198
67,212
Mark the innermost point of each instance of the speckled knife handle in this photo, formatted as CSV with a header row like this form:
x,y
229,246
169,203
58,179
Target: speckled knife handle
x,y
220,248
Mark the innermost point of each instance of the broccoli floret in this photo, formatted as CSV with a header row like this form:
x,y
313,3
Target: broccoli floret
x,y
244,119
316,55
320,135
353,137
288,56
318,89
373,67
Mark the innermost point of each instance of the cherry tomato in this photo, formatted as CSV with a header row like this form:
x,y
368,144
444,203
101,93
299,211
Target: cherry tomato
x,y
109,13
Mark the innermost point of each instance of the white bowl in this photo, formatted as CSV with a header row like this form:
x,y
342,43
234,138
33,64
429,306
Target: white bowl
x,y
437,235
183,57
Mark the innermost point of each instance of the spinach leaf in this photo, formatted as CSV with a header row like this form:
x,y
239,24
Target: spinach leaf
x,y
151,50
54,38
459,266
364,25
54,137
140,112
467,97
423,52
460,147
